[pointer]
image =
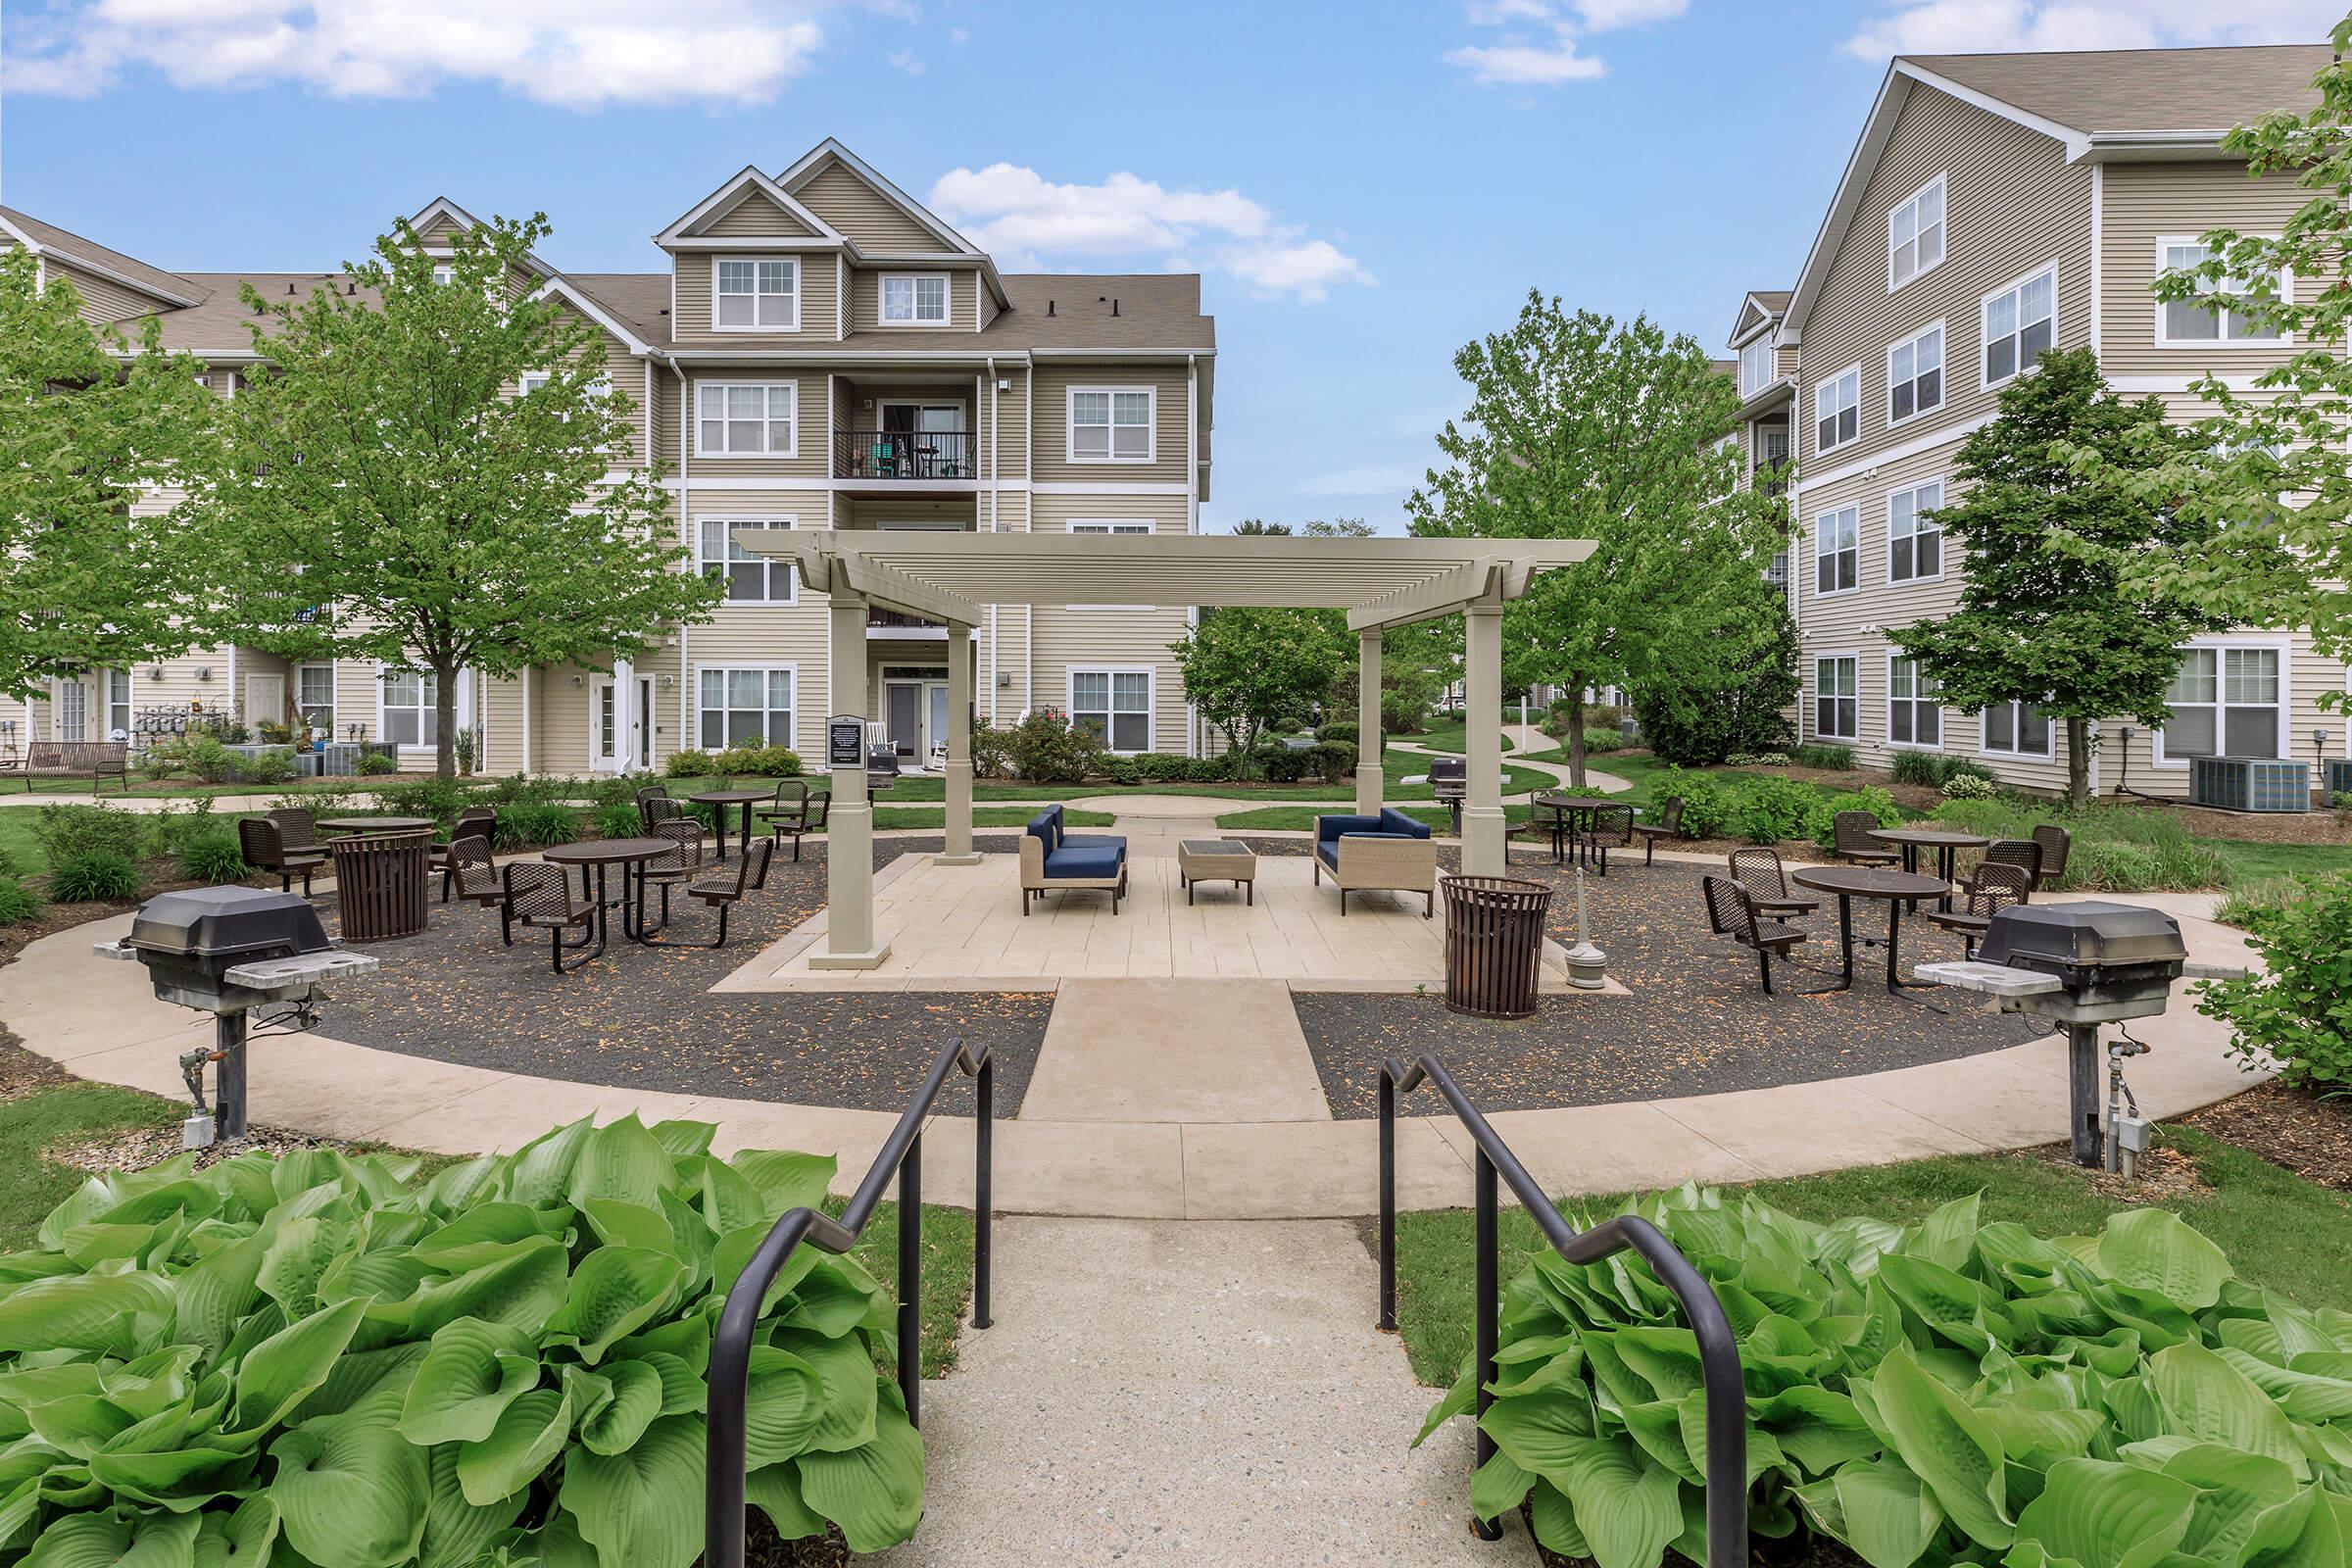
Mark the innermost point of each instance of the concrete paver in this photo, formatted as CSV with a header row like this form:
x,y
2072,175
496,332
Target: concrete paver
x,y
1179,1051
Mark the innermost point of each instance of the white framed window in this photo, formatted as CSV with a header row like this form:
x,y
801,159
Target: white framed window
x,y
1837,409
1837,695
408,708
1838,550
1914,541
2015,729
444,274
915,299
1110,525
2226,701
2207,320
1113,705
1915,234
1112,423
1914,705
315,696
743,705
1915,376
756,294
751,579
1755,365
2018,321
117,705
733,418
530,381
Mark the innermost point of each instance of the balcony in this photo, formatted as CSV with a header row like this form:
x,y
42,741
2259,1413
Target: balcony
x,y
898,625
907,456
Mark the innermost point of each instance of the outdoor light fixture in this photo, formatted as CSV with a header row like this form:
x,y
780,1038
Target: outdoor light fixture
x,y
669,683
576,680
204,672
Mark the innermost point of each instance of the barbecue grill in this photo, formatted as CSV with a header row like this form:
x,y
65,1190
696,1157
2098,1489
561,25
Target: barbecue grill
x,y
1448,783
2079,966
227,951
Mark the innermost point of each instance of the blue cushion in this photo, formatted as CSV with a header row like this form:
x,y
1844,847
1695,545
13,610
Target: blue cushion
x,y
1100,862
1041,829
1396,824
1093,841
1329,851
1330,827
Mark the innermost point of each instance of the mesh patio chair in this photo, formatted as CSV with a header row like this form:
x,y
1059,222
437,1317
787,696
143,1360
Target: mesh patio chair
x,y
298,830
1669,825
1992,888
475,819
655,810
1851,839
263,843
1609,829
540,897
674,866
2024,853
1732,912
1757,868
796,811
2056,845
749,875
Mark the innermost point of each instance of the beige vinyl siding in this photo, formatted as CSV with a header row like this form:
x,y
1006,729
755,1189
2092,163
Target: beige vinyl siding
x,y
810,457
841,198
627,373
875,511
1010,412
102,298
987,301
866,299
757,216
692,321
2307,677
763,635
439,230
1114,638
2012,206
1053,414
2143,203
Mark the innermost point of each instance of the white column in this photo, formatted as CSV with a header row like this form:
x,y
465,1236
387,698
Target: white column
x,y
1369,780
849,821
959,749
1482,696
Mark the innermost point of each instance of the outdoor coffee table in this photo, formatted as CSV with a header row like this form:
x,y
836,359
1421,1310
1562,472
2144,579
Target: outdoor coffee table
x,y
628,854
720,800
1946,841
1851,882
376,824
1217,861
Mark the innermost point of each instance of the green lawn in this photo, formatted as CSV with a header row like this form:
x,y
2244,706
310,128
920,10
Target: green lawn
x,y
947,1272
982,816
2250,863
18,846
1453,735
31,1186
2279,1230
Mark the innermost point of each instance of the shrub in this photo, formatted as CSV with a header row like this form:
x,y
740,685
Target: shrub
x,y
2247,900
992,752
1342,733
17,901
1766,808
429,795
464,747
502,1364
213,857
2295,1012
1830,759
160,760
273,766
1323,764
1969,787
375,764
1404,713
1924,768
274,732
776,762
2117,849
65,832
692,764
179,824
1874,799
1045,748
519,789
1966,767
534,827
1604,739
92,876
1706,801
617,822
1165,768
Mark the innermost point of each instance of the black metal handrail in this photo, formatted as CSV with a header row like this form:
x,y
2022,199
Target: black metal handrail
x,y
904,455
1718,1350
902,1155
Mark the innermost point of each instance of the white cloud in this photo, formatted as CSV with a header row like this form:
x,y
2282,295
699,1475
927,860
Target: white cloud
x,y
906,60
1025,219
1539,45
576,53
1950,27
1527,63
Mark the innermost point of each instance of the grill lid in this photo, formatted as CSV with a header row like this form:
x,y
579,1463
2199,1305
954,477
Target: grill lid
x,y
201,922
2090,934
1448,767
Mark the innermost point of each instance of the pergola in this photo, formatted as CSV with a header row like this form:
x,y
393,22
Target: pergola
x,y
952,577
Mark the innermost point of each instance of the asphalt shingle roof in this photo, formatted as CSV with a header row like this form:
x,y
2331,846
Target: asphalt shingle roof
x,y
2144,90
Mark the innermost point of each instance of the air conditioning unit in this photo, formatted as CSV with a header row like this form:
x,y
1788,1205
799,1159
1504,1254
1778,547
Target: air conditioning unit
x,y
2340,777
2249,783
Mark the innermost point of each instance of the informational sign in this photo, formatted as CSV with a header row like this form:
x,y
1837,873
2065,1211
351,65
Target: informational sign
x,y
845,741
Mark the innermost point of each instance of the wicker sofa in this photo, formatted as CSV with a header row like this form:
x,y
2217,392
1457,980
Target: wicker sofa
x,y
1389,853
1057,860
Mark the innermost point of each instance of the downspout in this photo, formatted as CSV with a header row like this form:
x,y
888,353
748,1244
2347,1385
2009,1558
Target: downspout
x,y
686,533
1029,470
1191,519
994,518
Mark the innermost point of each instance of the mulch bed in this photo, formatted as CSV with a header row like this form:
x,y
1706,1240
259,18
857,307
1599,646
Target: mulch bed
x,y
1695,1022
642,1017
2309,1136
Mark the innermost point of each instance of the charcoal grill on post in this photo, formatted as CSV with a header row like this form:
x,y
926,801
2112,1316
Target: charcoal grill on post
x,y
1448,783
227,951
2080,964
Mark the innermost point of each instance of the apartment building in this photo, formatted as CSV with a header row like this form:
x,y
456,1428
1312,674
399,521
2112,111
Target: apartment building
x,y
816,350
1996,206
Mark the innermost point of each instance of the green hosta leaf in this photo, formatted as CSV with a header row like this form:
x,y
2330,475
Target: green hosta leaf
x,y
785,1180
1626,1507
353,1492
102,1541
2306,1396
2207,1399
1546,1431
1948,1236
682,1388
775,1490
527,1436
298,1256
833,1297
623,1163
635,1403
1819,1428
239,1539
1665,1358
1498,1487
541,1169
729,1201
112,1312
472,1373
483,1235
278,1373
785,1402
523,1286
620,1224
613,1294
684,1140
1460,1395
850,1396
1887,1512
874,1492
2234,1491
1947,1444
210,1297
2155,1249
643,1508
181,1481
1553,1518
2103,1515
457,1530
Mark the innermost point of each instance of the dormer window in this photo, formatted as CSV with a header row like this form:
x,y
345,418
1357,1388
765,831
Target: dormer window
x,y
1755,365
919,299
759,294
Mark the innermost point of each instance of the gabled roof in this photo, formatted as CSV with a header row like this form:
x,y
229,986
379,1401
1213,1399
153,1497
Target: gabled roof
x,y
731,195
47,239
830,150
1761,306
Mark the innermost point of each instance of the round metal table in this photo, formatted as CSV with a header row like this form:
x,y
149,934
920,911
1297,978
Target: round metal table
x,y
1946,841
598,854
720,800
1851,882
1571,820
375,824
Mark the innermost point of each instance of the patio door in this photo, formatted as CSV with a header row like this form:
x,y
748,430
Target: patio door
x,y
931,433
903,717
72,711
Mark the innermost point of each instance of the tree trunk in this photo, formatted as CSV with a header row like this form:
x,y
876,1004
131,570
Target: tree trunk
x,y
1576,736
2078,762
445,721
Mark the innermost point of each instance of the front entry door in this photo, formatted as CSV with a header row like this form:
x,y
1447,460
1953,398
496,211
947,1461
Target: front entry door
x,y
612,750
72,711
265,699
903,717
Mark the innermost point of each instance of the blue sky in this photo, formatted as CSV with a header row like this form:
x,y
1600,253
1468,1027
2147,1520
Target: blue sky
x,y
1364,187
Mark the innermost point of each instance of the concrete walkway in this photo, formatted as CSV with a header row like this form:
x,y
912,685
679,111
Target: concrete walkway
x,y
1189,1394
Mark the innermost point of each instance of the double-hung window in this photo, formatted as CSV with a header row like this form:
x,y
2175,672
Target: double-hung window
x,y
918,299
1110,424
2016,729
1838,410
2020,322
1914,705
751,579
1836,697
117,705
756,294
1115,706
315,696
1915,234
410,696
2224,702
1915,376
1914,541
1838,550
2211,317
743,706
735,418
1755,365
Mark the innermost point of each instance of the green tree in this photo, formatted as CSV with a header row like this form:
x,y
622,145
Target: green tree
x,y
2045,615
91,422
387,469
1260,528
1582,427
1736,700
1249,671
1337,529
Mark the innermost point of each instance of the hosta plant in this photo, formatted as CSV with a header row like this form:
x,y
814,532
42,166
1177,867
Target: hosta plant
x,y
320,1359
1952,1393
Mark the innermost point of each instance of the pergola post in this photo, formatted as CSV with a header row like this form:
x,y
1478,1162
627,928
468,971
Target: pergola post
x,y
1370,783
849,819
1482,683
959,749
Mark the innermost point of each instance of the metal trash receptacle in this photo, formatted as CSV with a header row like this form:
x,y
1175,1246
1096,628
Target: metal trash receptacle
x,y
380,883
1493,945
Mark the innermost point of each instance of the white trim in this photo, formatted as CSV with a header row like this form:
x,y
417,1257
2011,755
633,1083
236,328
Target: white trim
x,y
841,296
1110,438
1811,717
2098,264
1151,675
946,285
792,398
1819,592
1894,657
1855,371
1913,489
1943,374
2015,285
457,705
2207,345
769,520
756,260
1099,487
2074,141
1927,441
1985,746
1943,241
2221,642
694,737
594,312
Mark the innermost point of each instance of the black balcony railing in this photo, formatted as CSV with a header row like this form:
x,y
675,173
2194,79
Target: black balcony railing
x,y
900,620
904,455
